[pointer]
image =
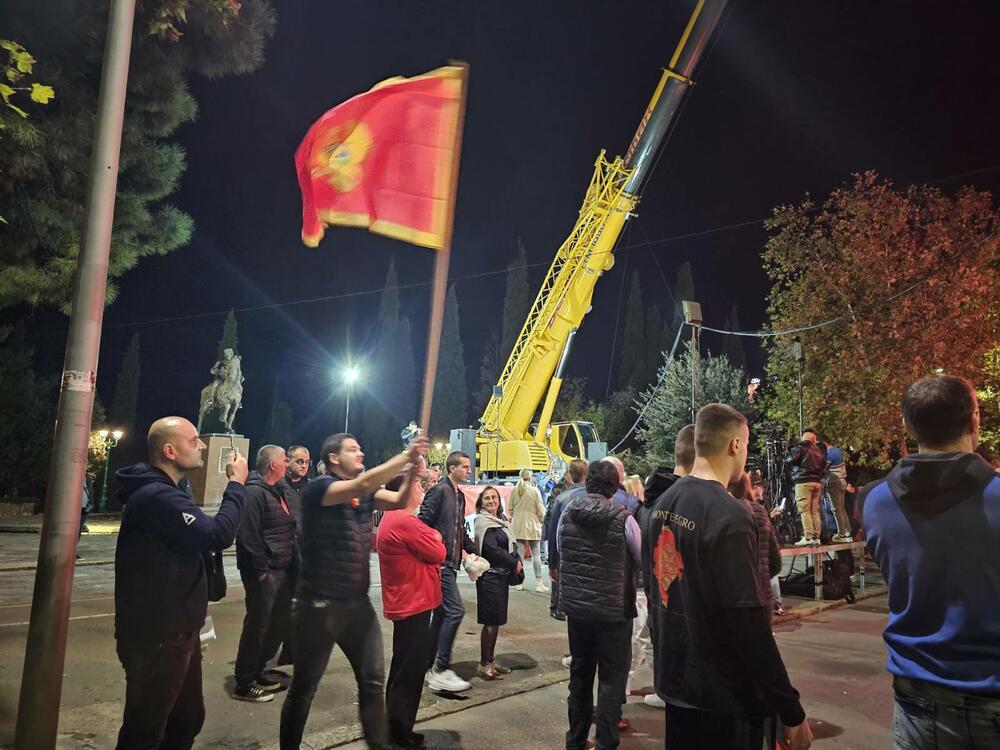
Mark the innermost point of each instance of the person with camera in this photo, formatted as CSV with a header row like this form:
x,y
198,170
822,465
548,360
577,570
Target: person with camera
x,y
161,587
807,459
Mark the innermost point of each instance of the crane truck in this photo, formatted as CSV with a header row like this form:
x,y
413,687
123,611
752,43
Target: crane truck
x,y
508,438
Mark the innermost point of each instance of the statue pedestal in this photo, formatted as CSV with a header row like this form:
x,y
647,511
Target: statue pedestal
x,y
209,482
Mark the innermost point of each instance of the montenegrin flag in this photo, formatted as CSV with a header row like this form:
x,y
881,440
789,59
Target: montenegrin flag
x,y
383,160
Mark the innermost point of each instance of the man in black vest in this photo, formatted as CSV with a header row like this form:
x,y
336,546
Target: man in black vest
x,y
296,478
331,597
443,509
265,549
599,549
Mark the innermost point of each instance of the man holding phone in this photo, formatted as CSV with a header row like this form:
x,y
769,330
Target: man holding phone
x,y
161,591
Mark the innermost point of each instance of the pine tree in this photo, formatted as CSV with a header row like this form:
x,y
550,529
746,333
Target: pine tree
x,y
451,400
123,405
516,302
632,361
230,336
732,346
43,181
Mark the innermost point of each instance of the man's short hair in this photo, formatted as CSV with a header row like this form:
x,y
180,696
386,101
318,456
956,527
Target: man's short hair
x,y
714,427
810,431
455,458
684,448
602,478
938,409
577,471
293,448
265,455
333,444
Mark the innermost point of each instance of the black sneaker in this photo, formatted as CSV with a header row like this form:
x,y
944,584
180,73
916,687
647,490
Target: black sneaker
x,y
555,615
268,686
252,694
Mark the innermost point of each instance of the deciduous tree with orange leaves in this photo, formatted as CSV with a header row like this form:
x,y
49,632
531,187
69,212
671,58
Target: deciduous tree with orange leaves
x,y
911,275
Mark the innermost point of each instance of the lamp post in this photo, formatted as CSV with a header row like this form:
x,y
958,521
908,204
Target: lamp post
x,y
110,438
799,357
351,375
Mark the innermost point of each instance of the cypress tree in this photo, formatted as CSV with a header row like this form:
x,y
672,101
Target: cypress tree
x,y
632,362
732,346
489,369
516,302
278,430
230,336
123,405
451,397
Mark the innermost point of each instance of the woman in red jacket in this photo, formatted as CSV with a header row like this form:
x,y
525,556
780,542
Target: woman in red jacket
x,y
410,554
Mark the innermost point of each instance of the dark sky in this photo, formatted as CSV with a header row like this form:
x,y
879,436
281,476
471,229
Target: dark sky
x,y
794,98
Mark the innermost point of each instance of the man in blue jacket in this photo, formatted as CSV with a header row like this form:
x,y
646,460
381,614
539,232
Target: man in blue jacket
x,y
161,591
933,526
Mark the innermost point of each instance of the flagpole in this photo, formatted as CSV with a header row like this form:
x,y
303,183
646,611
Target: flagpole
x,y
441,259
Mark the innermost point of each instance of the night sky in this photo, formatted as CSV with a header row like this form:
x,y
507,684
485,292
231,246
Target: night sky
x,y
793,99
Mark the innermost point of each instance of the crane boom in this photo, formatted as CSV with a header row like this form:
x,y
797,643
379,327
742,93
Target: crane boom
x,y
565,295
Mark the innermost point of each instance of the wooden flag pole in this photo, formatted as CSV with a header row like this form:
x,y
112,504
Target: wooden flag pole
x,y
440,287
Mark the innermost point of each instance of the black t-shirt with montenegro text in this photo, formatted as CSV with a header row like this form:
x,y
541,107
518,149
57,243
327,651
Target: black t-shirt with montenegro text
x,y
708,609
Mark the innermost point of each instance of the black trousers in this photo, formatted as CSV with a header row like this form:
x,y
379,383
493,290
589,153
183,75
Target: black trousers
x,y
411,638
164,706
596,647
267,623
692,729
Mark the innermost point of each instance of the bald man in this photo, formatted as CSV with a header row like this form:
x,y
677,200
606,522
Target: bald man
x,y
161,591
628,501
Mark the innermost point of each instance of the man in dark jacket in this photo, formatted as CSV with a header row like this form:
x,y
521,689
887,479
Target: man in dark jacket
x,y
933,526
808,461
265,549
599,548
161,593
576,477
443,509
296,479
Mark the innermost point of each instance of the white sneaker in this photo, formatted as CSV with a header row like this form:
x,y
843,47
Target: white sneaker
x,y
842,539
803,542
519,587
567,661
541,588
654,700
446,681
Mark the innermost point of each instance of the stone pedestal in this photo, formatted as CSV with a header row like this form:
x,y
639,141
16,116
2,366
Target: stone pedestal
x,y
209,482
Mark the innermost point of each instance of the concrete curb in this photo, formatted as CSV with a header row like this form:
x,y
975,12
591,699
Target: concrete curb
x,y
813,607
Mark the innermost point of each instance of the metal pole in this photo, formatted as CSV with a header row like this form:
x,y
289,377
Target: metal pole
x,y
45,653
347,411
801,422
102,504
694,372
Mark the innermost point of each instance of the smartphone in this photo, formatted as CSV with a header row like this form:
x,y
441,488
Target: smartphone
x,y
232,443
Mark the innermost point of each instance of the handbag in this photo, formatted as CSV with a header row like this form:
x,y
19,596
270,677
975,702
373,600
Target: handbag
x,y
514,578
215,574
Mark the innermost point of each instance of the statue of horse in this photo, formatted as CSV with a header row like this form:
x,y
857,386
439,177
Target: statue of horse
x,y
225,393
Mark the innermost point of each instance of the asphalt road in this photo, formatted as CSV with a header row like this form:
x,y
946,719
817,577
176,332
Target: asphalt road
x,y
836,659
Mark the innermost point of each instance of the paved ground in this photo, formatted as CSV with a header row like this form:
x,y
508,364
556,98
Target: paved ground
x,y
835,657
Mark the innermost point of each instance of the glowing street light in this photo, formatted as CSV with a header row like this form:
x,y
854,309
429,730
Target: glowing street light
x,y
350,375
110,438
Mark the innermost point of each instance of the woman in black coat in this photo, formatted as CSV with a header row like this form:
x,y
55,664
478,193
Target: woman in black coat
x,y
495,543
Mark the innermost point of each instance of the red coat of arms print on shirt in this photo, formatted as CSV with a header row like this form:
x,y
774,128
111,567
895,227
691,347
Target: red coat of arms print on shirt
x,y
667,563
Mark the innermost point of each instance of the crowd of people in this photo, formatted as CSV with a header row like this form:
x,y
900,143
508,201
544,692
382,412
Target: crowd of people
x,y
677,572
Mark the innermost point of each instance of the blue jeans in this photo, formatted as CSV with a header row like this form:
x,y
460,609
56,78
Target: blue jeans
x,y
352,625
446,619
929,717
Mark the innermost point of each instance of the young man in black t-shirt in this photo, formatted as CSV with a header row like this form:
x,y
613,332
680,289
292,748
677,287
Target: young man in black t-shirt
x,y
717,666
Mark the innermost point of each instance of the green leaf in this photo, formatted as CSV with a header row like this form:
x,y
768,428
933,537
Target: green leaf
x,y
41,93
5,92
23,60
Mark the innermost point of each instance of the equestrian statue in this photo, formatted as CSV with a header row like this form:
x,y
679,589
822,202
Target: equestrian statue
x,y
225,393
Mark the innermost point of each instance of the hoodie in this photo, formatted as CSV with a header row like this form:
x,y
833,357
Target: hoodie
x,y
160,585
933,526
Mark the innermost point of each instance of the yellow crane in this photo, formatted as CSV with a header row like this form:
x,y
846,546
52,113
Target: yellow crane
x,y
507,439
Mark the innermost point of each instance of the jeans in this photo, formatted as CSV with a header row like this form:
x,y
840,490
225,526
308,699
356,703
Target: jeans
x,y
807,500
693,729
164,706
410,641
601,647
266,625
536,556
776,592
317,625
554,598
929,717
641,651
446,620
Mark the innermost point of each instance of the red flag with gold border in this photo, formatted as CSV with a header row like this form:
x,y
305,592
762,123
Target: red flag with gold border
x,y
383,160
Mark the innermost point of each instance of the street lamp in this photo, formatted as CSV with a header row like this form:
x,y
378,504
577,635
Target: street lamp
x,y
799,357
110,438
350,376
